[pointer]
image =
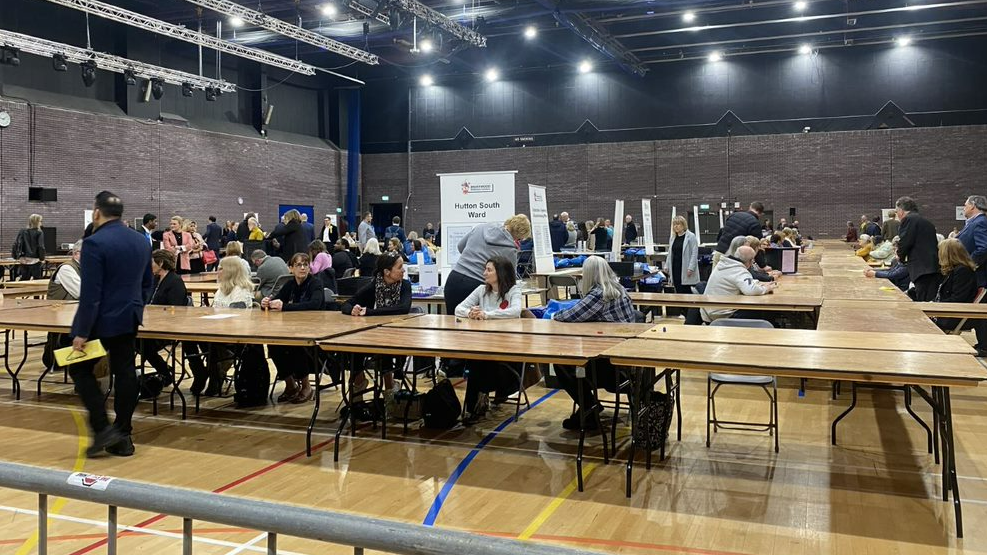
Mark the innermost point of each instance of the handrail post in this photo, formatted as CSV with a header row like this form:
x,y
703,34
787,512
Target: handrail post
x,y
42,524
357,551
272,543
186,536
111,531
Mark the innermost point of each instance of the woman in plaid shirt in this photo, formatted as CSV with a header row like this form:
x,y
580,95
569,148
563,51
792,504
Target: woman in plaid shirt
x,y
603,300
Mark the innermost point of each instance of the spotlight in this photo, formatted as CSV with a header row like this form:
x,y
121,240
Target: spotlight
x,y
689,17
236,21
212,93
805,49
129,77
330,10
186,89
801,5
9,56
88,72
426,45
585,66
530,32
426,80
715,56
903,40
491,75
157,88
59,62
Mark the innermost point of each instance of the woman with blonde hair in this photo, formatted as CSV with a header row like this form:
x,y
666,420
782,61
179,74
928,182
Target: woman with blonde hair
x,y
234,251
368,260
483,242
682,263
290,236
959,281
179,242
235,287
29,248
196,265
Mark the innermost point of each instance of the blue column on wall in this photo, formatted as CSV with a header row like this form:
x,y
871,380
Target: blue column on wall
x,y
353,161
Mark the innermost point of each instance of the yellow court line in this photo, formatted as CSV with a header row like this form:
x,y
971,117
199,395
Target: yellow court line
x,y
80,461
548,511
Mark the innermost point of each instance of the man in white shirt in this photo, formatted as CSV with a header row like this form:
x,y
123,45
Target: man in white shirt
x,y
67,281
732,276
366,231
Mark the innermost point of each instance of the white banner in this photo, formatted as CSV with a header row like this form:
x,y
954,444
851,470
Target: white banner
x,y
695,216
467,199
540,233
671,229
649,236
618,230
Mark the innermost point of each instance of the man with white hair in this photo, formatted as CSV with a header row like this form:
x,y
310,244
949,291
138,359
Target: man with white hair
x,y
732,276
630,230
66,282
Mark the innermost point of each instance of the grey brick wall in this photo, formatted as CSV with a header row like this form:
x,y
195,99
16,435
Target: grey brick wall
x,y
155,168
828,178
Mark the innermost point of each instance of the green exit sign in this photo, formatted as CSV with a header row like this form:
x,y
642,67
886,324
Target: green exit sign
x,y
704,207
385,198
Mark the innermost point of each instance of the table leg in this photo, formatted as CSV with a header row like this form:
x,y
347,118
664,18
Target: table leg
x,y
318,401
6,361
346,412
580,376
14,374
950,456
853,405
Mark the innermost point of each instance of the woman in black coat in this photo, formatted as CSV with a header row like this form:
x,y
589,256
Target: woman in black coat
x,y
290,236
959,282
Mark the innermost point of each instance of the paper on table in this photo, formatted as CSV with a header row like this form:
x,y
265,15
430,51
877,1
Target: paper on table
x,y
218,316
787,261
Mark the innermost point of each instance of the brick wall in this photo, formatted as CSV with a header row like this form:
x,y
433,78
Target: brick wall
x,y
155,168
828,178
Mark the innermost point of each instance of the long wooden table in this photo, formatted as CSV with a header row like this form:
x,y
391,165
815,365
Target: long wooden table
x,y
772,302
526,326
25,291
915,369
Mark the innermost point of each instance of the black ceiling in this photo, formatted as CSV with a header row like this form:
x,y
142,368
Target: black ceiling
x,y
643,32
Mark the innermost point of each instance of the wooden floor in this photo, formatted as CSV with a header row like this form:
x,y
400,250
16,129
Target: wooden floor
x,y
877,492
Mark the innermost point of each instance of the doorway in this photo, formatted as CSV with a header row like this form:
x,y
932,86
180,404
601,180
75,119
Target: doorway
x,y
383,213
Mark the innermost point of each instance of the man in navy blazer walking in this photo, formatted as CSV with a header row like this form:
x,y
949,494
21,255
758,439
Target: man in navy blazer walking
x,y
116,282
974,239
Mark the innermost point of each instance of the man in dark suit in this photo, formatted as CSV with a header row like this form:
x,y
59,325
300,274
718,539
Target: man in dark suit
x,y
556,233
918,248
116,282
308,230
330,233
739,223
242,230
974,239
212,238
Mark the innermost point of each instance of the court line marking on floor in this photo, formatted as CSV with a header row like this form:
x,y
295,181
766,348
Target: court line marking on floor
x,y
80,462
249,544
139,530
548,511
433,511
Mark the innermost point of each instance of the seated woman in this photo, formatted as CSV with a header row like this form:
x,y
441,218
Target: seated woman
x,y
235,291
388,293
320,258
498,297
419,248
959,282
865,246
788,238
234,251
295,363
256,233
368,260
603,300
775,241
169,290
394,246
341,260
851,233
409,244
759,268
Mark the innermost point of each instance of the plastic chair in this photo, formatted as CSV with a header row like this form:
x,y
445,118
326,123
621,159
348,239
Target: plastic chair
x,y
736,379
563,281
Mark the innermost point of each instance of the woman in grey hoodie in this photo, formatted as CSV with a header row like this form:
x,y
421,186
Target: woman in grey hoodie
x,y
483,242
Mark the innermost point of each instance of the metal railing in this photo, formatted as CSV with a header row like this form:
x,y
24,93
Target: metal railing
x,y
356,531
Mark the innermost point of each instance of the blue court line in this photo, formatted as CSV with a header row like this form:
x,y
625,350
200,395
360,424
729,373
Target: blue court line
x,y
433,512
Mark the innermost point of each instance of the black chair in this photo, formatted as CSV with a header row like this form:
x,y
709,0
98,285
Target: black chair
x,y
349,286
692,316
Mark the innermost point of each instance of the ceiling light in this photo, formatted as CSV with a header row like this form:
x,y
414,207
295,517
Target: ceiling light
x,y
59,62
186,89
585,66
805,49
715,56
426,80
491,75
88,72
801,5
904,40
330,10
236,21
689,17
157,88
129,77
426,45
530,32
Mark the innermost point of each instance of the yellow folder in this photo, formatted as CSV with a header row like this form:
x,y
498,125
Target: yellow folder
x,y
68,355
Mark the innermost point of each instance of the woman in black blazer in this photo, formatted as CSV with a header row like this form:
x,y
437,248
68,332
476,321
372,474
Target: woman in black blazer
x,y
290,236
959,282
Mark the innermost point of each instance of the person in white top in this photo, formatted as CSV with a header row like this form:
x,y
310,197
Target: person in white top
x,y
235,288
67,275
732,276
499,297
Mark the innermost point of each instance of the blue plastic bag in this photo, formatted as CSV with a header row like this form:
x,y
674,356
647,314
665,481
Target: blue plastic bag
x,y
557,306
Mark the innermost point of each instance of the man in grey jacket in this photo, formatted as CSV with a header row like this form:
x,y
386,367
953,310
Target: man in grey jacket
x,y
269,269
365,231
732,276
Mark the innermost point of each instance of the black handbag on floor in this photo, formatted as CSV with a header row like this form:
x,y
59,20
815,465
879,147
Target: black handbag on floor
x,y
653,421
252,381
441,408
